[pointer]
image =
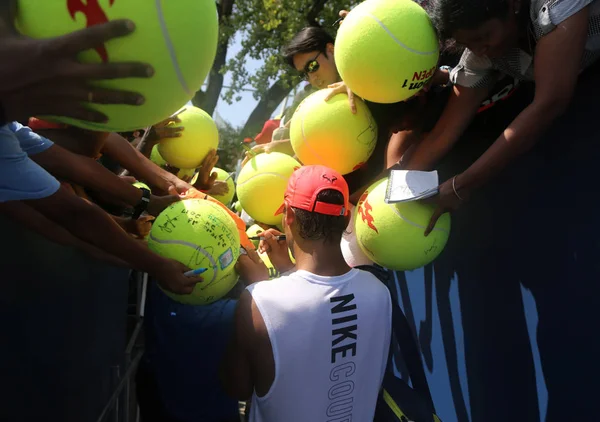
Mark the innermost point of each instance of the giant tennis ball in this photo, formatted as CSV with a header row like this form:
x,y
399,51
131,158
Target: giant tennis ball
x,y
156,158
199,234
262,183
386,50
223,175
273,272
353,254
392,235
253,231
177,38
327,133
197,139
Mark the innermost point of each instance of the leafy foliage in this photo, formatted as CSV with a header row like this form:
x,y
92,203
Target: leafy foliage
x,y
230,146
265,26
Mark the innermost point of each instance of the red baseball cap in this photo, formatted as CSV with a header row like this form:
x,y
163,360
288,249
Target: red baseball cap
x,y
264,137
307,182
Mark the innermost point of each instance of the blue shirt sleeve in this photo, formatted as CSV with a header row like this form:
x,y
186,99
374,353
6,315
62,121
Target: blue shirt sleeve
x,y
20,177
31,143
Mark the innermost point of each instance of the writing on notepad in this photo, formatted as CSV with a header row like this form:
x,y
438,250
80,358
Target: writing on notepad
x,y
411,185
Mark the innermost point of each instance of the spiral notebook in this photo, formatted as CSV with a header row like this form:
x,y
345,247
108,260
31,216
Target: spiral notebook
x,y
411,185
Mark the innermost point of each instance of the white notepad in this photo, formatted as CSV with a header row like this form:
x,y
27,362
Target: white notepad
x,y
411,185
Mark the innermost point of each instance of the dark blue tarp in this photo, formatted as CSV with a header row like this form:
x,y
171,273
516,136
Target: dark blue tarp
x,y
508,316
63,329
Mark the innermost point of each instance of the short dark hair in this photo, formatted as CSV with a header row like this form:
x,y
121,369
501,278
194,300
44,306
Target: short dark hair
x,y
448,16
315,226
311,38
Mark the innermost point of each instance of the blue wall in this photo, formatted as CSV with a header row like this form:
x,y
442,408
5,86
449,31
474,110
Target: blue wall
x,y
507,317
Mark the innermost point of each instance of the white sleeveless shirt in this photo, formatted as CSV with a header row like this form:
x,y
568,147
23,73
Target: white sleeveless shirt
x,y
330,338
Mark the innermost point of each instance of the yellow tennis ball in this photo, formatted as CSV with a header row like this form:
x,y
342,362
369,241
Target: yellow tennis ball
x,y
142,185
253,231
273,273
262,183
327,133
177,38
199,136
199,234
156,158
237,207
185,173
392,235
386,50
223,175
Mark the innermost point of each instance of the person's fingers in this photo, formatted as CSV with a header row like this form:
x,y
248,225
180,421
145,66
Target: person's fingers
x,y
105,96
212,178
335,89
343,13
253,255
65,108
351,101
434,218
172,191
89,38
103,71
129,179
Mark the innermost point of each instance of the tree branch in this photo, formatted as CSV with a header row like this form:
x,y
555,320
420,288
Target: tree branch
x,y
207,100
265,107
315,9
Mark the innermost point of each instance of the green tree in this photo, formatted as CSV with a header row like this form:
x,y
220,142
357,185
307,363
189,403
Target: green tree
x,y
264,26
230,146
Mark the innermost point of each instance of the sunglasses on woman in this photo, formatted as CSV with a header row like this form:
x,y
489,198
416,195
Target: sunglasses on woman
x,y
312,66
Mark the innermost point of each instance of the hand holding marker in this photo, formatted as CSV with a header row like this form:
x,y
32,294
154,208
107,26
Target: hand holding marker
x,y
278,238
193,273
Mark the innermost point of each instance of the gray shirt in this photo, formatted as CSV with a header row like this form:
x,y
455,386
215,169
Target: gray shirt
x,y
480,71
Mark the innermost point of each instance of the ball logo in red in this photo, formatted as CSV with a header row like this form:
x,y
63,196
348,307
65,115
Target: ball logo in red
x,y
364,209
94,15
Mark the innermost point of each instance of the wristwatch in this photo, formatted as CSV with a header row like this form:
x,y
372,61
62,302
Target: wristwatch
x,y
142,205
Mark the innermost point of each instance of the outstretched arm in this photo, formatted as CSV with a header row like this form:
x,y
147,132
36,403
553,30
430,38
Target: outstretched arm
x,y
557,64
458,114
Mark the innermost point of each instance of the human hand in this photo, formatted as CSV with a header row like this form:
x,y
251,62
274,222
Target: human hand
x,y
181,186
129,179
158,203
251,268
447,200
166,129
440,77
219,188
342,15
140,227
254,151
277,250
170,276
341,88
206,177
49,80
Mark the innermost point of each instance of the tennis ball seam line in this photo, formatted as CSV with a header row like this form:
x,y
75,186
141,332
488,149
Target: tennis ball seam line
x,y
191,245
262,174
400,43
412,223
171,47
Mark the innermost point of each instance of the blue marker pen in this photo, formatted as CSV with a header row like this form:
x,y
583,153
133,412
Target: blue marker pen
x,y
195,272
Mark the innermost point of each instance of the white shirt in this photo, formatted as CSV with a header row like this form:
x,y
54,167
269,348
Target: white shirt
x,y
330,338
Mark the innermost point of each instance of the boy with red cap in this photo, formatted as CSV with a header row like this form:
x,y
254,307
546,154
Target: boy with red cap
x,y
311,345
